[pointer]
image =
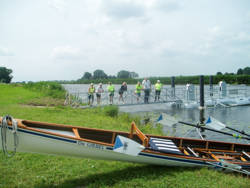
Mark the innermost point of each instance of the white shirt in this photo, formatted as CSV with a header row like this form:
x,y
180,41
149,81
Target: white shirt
x,y
146,84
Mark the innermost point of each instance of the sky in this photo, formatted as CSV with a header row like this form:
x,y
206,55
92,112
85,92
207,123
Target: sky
x,y
62,39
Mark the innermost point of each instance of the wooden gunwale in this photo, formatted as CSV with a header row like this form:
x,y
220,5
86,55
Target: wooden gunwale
x,y
180,156
196,140
21,125
216,150
215,159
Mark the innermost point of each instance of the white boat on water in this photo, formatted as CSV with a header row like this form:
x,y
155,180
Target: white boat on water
x,y
240,101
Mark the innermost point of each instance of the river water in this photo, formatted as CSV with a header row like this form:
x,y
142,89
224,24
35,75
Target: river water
x,y
235,117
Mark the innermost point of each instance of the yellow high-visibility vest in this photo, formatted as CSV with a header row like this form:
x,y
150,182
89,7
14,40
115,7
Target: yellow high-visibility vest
x,y
91,90
138,88
111,88
158,86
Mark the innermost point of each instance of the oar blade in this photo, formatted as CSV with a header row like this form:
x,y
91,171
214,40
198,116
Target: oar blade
x,y
214,123
127,146
167,120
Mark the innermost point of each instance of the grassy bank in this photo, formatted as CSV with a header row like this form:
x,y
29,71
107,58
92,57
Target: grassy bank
x,y
35,170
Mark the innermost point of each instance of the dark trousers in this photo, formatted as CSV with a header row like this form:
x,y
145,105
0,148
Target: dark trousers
x,y
146,95
157,94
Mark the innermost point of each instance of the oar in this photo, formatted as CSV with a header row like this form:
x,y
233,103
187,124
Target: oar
x,y
214,123
228,166
222,132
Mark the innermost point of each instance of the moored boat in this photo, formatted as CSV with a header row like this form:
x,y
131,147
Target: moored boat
x,y
133,146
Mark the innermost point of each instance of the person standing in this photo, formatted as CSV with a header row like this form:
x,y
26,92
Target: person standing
x,y
99,92
111,90
158,87
91,92
147,88
138,89
122,90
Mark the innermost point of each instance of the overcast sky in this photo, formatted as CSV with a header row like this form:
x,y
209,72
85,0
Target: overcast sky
x,y
62,39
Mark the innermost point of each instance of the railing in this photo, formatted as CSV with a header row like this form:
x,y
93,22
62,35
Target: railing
x,y
129,98
177,95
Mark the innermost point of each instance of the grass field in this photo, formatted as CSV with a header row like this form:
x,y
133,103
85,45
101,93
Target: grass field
x,y
36,170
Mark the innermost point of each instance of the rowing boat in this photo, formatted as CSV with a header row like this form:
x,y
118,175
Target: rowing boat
x,y
134,146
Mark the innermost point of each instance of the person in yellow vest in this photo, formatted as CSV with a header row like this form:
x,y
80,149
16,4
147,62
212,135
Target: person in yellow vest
x,y
158,87
138,89
111,90
91,92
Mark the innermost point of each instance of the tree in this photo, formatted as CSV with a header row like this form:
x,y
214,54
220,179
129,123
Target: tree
x,y
134,75
5,76
219,73
87,75
123,74
229,73
99,74
239,72
246,70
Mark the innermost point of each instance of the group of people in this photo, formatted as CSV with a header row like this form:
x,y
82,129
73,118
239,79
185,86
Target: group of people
x,y
100,90
144,86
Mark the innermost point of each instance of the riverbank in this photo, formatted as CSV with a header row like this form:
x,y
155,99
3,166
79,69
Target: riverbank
x,y
35,170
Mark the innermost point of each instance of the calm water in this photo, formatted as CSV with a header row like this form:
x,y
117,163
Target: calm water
x,y
235,117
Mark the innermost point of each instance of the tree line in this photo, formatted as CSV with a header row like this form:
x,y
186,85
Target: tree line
x,y
100,74
242,76
240,71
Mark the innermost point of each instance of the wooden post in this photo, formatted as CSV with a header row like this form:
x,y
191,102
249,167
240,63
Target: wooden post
x,y
211,85
173,87
202,118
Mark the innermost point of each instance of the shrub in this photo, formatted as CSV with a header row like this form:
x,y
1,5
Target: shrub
x,y
111,111
51,89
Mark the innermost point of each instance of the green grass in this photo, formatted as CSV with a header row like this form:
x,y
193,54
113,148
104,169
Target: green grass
x,y
36,170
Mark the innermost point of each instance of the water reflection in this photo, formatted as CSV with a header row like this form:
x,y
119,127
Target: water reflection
x,y
235,117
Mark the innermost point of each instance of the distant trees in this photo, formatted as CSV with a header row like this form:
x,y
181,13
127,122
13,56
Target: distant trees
x,y
219,73
99,74
127,74
240,71
5,75
134,75
246,70
87,75
123,74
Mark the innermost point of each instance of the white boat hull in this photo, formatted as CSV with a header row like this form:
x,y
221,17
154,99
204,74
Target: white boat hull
x,y
36,142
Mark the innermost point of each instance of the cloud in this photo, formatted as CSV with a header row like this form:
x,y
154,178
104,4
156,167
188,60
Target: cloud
x,y
5,52
65,52
57,4
248,17
242,37
168,5
124,9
